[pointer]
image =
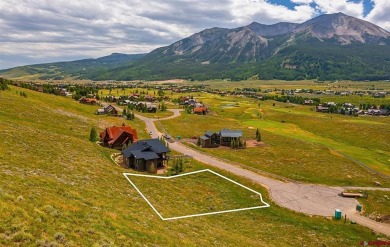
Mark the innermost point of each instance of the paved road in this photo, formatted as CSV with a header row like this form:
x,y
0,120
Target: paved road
x,y
305,198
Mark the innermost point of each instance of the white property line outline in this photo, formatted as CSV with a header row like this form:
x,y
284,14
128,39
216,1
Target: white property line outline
x,y
266,205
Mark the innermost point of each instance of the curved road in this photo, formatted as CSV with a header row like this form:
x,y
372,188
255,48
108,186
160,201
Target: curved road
x,y
305,198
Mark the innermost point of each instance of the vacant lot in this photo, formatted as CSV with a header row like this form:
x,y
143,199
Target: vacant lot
x,y
180,196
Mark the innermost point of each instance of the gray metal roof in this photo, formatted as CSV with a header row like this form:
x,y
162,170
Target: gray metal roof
x,y
204,138
230,133
149,145
147,155
209,133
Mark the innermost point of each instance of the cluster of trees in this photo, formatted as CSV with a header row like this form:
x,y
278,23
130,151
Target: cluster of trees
x,y
77,91
128,114
138,107
162,107
373,106
236,144
188,109
4,84
23,94
177,167
291,99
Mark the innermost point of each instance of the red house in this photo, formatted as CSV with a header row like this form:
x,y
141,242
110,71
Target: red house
x,y
88,101
200,110
116,137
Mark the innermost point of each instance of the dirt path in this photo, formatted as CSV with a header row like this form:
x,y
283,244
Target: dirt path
x,y
305,198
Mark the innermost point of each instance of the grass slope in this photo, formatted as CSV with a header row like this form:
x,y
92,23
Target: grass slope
x,y
57,188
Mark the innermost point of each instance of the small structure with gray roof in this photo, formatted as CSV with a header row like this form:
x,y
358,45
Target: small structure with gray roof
x,y
222,138
146,155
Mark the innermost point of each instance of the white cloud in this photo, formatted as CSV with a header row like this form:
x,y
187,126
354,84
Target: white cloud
x,y
345,6
380,14
44,30
302,1
267,13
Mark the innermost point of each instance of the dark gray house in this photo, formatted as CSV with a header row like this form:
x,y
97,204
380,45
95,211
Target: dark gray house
x,y
228,135
221,138
146,155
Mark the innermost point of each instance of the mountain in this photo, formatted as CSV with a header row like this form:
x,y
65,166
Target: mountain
x,y
217,45
343,29
257,42
272,30
328,47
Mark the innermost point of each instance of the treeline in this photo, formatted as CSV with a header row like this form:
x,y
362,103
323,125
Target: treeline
x,y
77,91
374,106
291,99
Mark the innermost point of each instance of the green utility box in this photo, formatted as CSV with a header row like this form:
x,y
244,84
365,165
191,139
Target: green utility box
x,y
337,214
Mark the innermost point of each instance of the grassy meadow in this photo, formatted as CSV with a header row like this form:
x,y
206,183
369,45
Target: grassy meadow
x,y
376,202
59,189
217,194
300,143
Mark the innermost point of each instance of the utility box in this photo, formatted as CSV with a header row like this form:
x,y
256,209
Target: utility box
x,y
337,214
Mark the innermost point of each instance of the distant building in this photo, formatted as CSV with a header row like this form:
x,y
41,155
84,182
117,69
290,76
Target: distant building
x,y
308,102
221,138
108,110
88,101
322,109
200,110
116,137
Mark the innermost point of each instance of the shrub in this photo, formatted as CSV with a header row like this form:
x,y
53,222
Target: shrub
x,y
60,237
93,135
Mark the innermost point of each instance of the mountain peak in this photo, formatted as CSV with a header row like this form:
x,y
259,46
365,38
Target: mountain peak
x,y
343,28
271,30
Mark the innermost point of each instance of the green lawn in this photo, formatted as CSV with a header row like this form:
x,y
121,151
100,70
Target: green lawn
x,y
57,188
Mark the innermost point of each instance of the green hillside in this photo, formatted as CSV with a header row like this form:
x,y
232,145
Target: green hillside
x,y
59,189
82,69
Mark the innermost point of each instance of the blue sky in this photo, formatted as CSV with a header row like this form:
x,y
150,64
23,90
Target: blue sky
x,y
367,4
38,31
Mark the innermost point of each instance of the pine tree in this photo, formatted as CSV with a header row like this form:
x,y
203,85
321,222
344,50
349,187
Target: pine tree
x,y
93,135
258,135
